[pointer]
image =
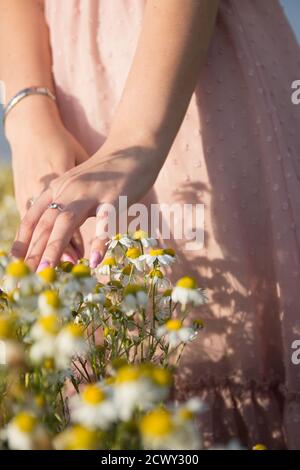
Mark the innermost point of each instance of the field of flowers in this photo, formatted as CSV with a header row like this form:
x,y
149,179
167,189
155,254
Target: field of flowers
x,y
86,356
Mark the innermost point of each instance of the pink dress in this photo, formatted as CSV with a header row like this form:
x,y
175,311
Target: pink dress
x,y
238,152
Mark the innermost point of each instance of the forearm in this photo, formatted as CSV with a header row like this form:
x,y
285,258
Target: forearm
x,y
25,58
171,49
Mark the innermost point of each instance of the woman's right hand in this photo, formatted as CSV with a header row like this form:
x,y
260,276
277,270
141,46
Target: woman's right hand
x,y
42,150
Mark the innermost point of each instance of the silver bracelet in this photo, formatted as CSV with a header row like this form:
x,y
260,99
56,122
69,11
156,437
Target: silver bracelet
x,y
33,90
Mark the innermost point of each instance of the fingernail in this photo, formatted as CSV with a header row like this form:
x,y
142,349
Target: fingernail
x,y
66,257
95,259
42,265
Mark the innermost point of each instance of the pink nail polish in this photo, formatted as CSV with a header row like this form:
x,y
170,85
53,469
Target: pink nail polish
x,y
95,259
42,265
66,257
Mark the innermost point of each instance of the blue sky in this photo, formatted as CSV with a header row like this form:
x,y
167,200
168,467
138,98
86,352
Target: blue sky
x,y
292,8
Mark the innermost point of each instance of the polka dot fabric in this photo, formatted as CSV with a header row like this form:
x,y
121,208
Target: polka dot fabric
x,y
238,153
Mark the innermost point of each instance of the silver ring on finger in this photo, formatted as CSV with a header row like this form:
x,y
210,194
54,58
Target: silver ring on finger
x,y
55,205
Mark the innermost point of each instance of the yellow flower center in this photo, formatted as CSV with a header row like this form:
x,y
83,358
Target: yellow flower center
x,y
173,324
157,252
167,293
17,269
51,297
161,377
74,329
187,282
109,262
3,253
48,275
157,423
156,273
49,323
169,251
132,289
93,395
81,438
128,374
117,237
40,401
6,326
66,266
49,363
81,270
259,447
25,422
139,235
133,252
126,271
186,414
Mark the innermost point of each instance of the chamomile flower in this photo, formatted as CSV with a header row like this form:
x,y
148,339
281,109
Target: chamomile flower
x,y
139,388
93,408
77,437
165,299
135,298
175,333
76,284
11,350
160,430
159,256
134,256
70,342
119,240
24,432
19,275
188,411
48,302
126,275
107,266
157,277
47,275
186,292
144,239
44,333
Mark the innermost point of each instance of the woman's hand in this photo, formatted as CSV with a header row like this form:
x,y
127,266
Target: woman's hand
x,y
44,233
42,150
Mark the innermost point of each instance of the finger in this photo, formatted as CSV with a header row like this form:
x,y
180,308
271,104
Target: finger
x,y
28,224
40,238
98,245
77,243
70,254
65,225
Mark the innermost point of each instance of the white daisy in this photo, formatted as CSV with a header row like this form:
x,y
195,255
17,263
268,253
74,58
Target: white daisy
x,y
119,240
163,257
186,292
174,333
144,239
134,256
158,278
139,388
160,430
135,298
69,342
93,408
107,266
24,432
44,333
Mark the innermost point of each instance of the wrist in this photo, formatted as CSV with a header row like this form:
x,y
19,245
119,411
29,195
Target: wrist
x,y
34,114
140,141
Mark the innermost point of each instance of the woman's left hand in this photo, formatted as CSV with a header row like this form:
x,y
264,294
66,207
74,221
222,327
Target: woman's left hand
x,y
44,232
